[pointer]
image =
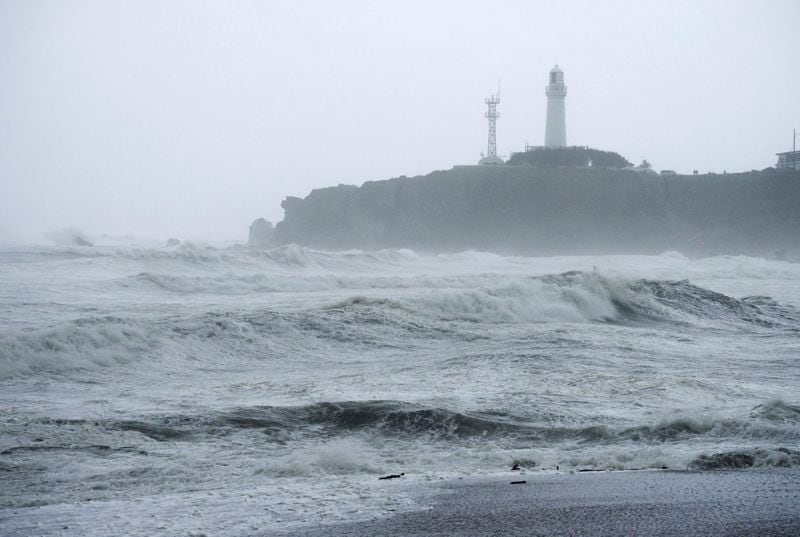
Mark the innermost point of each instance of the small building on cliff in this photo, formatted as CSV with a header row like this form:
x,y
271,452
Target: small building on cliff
x,y
789,159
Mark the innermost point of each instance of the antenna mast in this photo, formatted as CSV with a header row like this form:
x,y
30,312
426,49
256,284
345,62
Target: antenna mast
x,y
492,116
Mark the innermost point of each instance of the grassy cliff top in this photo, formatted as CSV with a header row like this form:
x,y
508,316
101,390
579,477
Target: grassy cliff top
x,y
569,156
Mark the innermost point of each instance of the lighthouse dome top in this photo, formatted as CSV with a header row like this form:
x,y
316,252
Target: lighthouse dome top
x,y
556,69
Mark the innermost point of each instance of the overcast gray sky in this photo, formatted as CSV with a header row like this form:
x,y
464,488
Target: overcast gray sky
x,y
192,118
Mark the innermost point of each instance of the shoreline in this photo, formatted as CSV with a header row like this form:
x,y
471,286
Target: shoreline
x,y
641,502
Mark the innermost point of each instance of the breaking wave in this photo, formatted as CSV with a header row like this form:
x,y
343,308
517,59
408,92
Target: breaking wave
x,y
412,421
779,457
568,297
574,297
78,345
189,254
591,297
294,257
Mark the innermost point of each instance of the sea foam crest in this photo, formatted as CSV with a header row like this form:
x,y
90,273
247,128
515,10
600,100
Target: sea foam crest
x,y
187,254
399,419
82,344
581,297
590,297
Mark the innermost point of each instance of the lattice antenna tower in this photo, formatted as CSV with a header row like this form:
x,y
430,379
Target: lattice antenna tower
x,y
492,116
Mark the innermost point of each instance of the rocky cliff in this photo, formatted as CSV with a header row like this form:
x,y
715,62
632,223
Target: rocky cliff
x,y
553,210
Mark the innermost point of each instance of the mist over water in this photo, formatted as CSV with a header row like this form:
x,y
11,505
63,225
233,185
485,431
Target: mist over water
x,y
148,379
191,119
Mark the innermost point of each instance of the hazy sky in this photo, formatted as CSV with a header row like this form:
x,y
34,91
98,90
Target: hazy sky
x,y
190,119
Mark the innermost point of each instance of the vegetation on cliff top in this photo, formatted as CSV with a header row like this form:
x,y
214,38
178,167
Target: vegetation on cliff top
x,y
569,156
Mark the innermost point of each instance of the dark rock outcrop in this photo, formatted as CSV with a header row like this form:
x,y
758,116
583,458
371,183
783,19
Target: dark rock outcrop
x,y
261,233
554,210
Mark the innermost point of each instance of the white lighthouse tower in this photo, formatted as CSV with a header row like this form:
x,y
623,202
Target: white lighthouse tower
x,y
556,132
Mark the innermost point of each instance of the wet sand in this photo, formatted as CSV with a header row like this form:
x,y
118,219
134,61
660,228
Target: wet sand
x,y
752,502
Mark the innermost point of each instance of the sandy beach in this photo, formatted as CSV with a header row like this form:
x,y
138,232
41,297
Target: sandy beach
x,y
754,502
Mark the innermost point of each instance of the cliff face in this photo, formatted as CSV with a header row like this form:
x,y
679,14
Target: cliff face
x,y
541,210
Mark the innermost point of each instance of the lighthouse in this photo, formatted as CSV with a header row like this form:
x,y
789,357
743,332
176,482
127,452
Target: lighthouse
x,y
556,131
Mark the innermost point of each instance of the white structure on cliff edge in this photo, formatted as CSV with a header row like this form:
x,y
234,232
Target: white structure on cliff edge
x,y
492,115
556,132
790,159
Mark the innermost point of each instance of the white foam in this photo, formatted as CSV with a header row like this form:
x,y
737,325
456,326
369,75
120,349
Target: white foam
x,y
92,336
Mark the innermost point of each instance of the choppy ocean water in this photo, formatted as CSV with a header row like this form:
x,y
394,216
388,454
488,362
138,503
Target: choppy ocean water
x,y
236,391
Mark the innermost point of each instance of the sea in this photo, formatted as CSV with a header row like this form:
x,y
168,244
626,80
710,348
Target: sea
x,y
205,389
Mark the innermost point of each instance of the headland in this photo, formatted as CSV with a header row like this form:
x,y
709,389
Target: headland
x,y
555,202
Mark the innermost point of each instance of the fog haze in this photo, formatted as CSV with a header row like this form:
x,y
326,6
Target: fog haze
x,y
191,119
